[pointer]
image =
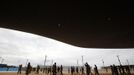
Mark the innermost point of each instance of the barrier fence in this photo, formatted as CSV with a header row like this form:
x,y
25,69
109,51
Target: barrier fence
x,y
8,69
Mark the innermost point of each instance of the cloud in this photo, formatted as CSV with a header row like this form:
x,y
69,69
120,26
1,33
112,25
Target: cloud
x,y
16,47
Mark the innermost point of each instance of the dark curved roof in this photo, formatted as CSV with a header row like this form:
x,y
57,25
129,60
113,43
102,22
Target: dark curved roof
x,y
83,24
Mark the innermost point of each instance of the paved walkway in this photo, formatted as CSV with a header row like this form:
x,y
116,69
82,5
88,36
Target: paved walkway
x,y
33,73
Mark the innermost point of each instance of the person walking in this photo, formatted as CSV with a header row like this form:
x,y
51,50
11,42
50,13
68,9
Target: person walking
x,y
115,70
82,70
77,70
87,68
28,69
68,70
72,70
96,70
61,69
54,69
19,69
38,68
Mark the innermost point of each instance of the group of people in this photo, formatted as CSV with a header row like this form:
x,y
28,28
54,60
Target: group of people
x,y
51,70
77,71
120,70
88,69
58,70
28,69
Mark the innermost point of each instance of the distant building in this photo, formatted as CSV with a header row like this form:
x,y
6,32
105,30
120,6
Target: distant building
x,y
3,65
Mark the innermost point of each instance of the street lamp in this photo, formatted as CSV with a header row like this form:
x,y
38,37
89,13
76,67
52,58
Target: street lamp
x,y
45,61
2,61
119,59
103,62
82,60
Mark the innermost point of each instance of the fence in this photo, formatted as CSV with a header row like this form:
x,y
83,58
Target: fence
x,y
8,69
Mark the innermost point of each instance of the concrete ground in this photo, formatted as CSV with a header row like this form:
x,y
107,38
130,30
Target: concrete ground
x,y
65,73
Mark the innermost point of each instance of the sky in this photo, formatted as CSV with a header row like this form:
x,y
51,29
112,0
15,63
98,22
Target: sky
x,y
16,47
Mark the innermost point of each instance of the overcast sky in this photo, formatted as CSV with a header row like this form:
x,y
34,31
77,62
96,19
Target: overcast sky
x,y
16,47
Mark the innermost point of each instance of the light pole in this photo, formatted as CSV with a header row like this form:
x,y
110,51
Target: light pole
x,y
0,57
104,65
2,61
51,67
103,62
45,61
82,60
119,59
26,62
128,63
52,61
77,62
